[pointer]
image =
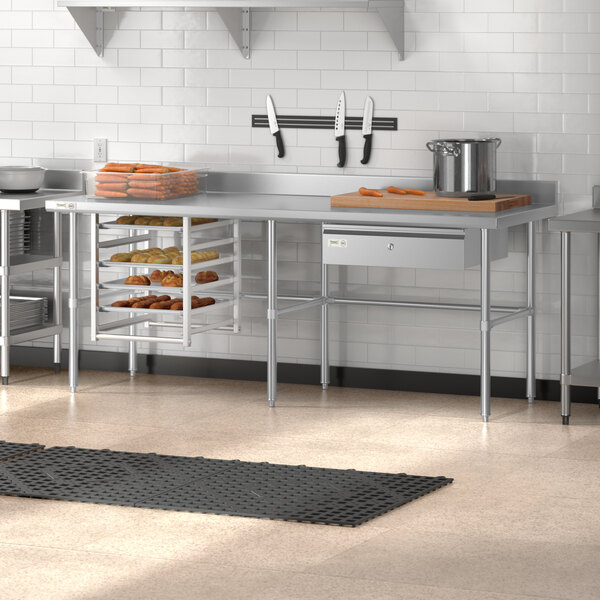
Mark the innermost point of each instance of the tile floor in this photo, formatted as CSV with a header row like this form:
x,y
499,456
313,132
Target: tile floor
x,y
521,521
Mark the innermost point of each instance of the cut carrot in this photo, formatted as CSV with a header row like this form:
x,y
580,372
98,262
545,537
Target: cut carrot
x,y
111,194
414,192
395,190
115,187
153,170
120,169
367,192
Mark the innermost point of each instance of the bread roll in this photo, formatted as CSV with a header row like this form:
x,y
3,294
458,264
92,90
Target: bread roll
x,y
126,220
137,280
140,257
206,276
121,257
161,259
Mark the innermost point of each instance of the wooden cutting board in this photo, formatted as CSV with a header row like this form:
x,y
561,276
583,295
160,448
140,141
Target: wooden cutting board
x,y
431,202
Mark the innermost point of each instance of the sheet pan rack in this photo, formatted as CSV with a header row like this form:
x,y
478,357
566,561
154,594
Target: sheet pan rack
x,y
107,283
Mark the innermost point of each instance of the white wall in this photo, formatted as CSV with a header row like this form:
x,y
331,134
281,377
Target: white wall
x,y
173,87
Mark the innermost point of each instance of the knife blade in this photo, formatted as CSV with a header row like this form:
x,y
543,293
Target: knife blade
x,y
274,127
340,129
367,129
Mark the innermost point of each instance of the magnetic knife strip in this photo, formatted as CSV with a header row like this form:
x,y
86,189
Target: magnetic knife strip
x,y
315,122
205,485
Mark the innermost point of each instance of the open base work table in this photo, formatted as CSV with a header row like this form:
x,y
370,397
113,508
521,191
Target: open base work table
x,y
587,221
275,198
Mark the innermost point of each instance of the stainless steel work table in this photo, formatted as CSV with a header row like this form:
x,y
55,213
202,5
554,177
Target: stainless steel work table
x,y
588,374
58,185
273,198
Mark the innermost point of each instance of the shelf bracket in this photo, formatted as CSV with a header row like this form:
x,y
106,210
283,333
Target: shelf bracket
x,y
90,20
237,20
392,16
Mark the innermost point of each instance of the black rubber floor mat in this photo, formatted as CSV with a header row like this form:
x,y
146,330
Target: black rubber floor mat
x,y
10,450
196,484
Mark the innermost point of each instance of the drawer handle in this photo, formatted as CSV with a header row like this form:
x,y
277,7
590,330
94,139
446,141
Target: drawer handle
x,y
390,246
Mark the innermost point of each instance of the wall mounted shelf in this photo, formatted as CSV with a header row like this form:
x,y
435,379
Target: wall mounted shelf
x,y
236,15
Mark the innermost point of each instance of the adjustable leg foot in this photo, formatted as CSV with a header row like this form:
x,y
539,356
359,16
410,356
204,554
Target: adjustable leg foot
x,y
565,420
5,381
530,399
485,418
325,386
132,373
57,367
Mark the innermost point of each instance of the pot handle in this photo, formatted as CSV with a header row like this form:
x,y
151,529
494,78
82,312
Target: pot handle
x,y
497,140
445,148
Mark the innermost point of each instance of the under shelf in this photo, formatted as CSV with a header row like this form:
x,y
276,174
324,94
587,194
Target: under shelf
x,y
587,374
236,15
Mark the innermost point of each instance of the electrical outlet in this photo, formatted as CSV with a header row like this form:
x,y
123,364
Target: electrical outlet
x,y
100,150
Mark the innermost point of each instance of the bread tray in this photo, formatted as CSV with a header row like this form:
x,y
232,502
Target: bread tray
x,y
175,313
193,228
155,286
198,266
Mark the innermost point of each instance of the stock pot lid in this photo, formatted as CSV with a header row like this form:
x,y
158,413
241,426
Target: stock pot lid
x,y
464,140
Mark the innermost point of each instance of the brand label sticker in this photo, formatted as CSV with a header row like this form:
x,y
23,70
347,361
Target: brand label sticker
x,y
335,243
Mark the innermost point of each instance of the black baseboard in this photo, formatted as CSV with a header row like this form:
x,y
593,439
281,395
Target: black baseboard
x,y
379,379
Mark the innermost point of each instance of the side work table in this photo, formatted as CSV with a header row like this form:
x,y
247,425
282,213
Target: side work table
x,y
588,374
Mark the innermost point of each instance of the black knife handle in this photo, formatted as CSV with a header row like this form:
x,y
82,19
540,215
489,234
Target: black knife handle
x,y
279,141
342,150
367,148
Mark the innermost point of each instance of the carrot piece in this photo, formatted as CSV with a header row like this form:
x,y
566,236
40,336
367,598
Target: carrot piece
x,y
111,194
115,187
117,170
414,192
153,170
143,192
395,190
367,192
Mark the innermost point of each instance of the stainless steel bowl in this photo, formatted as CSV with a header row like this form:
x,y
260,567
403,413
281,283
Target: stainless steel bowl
x,y
21,179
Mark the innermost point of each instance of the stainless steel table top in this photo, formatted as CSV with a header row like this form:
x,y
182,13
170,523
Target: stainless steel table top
x,y
32,200
226,199
584,221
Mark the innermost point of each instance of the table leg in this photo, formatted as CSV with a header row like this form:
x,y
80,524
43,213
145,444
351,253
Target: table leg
x,y
485,327
531,318
132,345
73,300
324,328
271,312
5,292
565,326
57,295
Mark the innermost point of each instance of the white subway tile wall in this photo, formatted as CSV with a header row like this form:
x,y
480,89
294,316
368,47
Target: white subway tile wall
x,y
172,86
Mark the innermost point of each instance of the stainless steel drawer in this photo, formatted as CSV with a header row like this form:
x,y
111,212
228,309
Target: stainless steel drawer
x,y
414,247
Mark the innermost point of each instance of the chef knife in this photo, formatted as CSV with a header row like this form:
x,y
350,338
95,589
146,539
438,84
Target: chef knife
x,y
274,127
367,129
340,129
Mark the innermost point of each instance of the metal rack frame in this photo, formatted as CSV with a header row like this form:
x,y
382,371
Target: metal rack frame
x,y
27,263
184,320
